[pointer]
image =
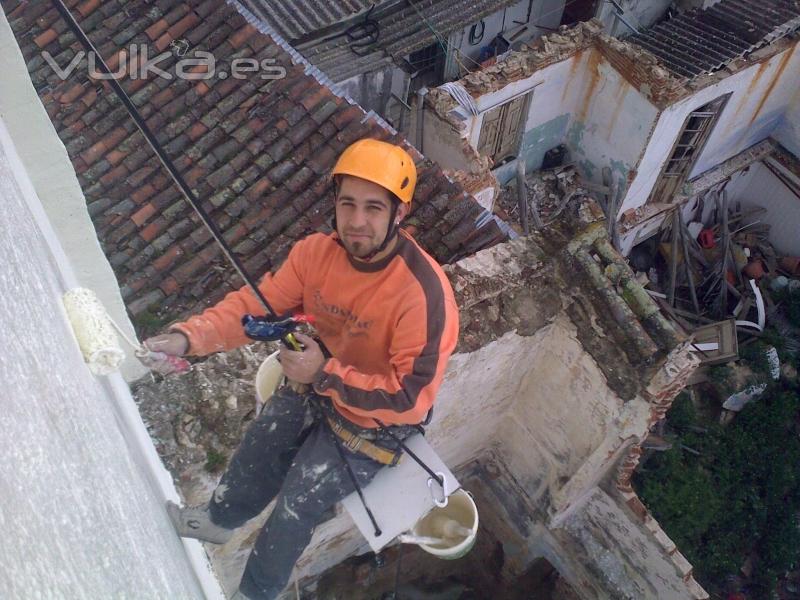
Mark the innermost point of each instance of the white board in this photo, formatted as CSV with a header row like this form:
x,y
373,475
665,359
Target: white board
x,y
399,496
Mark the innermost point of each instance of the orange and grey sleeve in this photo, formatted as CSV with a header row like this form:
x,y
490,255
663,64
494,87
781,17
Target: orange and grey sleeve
x,y
219,328
421,345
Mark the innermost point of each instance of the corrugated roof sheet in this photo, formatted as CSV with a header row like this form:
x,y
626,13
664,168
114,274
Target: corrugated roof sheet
x,y
257,152
702,41
403,28
294,19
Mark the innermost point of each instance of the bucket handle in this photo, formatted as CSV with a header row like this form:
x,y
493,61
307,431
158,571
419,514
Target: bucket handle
x,y
443,502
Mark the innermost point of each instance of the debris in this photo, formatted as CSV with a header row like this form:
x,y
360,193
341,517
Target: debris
x,y
774,363
717,342
739,400
547,194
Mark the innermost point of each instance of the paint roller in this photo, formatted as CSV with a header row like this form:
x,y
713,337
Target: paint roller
x,y
96,334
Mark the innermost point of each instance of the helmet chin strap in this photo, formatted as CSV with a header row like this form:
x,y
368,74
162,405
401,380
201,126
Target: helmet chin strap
x,y
391,231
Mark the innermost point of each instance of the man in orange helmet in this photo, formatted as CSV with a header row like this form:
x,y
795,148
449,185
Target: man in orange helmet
x,y
385,311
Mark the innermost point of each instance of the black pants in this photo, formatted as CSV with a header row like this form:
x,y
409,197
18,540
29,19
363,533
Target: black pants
x,y
287,452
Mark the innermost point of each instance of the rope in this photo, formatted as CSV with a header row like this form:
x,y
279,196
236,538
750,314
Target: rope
x,y
439,479
352,475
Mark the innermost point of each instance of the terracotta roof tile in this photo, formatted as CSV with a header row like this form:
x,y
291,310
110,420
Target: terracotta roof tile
x,y
257,152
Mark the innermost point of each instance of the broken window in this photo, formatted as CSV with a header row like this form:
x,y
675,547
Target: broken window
x,y
501,130
694,135
426,66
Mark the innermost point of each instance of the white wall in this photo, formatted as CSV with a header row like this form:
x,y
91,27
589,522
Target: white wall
x,y
787,133
758,186
760,97
611,124
584,103
83,489
49,168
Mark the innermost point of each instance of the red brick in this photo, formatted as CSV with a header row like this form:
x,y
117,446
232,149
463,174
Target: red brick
x,y
88,7
153,230
71,94
166,260
144,213
196,131
89,97
169,286
117,174
241,36
94,152
143,193
163,97
116,156
258,190
163,41
193,176
201,88
45,38
182,26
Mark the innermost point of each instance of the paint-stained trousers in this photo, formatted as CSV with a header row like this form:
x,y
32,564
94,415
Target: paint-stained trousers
x,y
287,452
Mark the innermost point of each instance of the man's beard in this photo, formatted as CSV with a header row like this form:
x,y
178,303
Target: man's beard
x,y
359,249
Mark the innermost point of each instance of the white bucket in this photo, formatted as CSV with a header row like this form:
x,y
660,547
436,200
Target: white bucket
x,y
268,378
460,514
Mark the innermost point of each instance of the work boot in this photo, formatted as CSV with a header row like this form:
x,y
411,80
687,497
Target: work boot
x,y
195,522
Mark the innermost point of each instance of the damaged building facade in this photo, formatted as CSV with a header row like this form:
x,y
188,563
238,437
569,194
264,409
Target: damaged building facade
x,y
659,124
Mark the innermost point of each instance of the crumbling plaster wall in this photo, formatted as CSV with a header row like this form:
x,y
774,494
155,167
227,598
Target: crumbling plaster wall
x,y
760,97
758,186
526,401
581,101
788,130
612,122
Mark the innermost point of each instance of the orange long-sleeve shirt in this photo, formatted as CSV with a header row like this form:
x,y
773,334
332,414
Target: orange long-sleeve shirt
x,y
390,325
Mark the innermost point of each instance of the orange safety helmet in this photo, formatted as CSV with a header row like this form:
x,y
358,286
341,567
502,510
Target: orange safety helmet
x,y
385,164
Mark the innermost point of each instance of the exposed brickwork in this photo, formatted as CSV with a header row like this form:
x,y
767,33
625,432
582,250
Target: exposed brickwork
x,y
256,151
642,70
664,386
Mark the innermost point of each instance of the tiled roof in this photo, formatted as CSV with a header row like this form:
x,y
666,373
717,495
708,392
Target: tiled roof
x,y
402,28
256,151
294,19
704,40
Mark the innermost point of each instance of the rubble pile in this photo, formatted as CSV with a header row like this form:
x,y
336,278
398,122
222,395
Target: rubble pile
x,y
718,276
549,192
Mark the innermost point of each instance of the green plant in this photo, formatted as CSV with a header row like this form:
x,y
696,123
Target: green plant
x,y
215,460
721,378
740,496
790,302
682,413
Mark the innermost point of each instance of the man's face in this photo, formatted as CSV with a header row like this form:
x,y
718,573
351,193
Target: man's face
x,y
363,211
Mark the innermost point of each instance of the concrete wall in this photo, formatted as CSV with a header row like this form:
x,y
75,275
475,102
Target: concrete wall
x,y
758,186
788,130
83,488
559,416
612,122
761,95
582,102
51,172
